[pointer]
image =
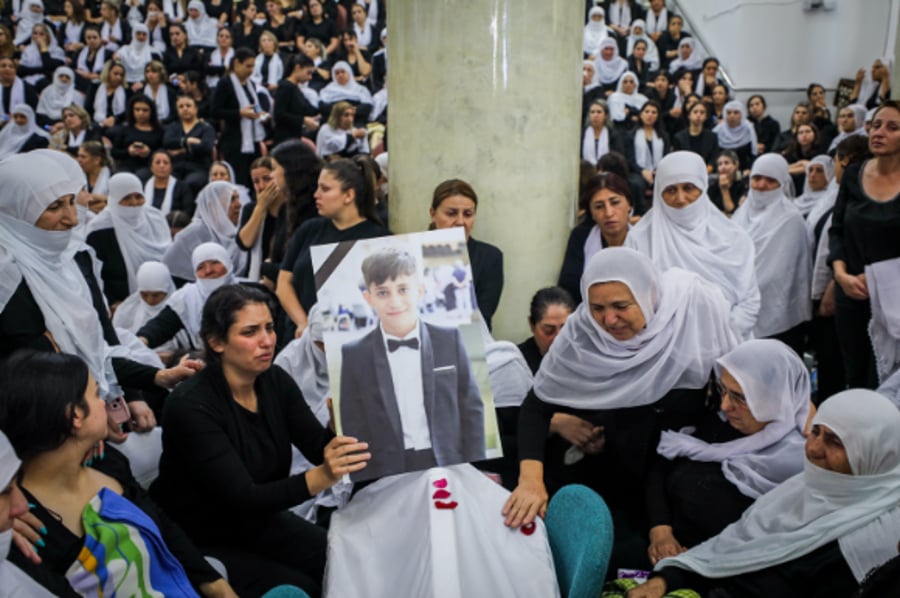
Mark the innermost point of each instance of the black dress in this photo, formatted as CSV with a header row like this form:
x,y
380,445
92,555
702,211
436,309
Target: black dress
x,y
705,145
487,276
767,132
220,459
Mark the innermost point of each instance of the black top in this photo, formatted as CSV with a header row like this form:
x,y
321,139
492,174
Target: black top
x,y
532,354
290,108
286,32
714,192
181,198
129,134
823,573
162,327
197,156
114,271
320,231
767,131
323,31
274,237
487,276
249,40
705,145
863,231
190,60
31,96
62,547
694,497
573,261
220,459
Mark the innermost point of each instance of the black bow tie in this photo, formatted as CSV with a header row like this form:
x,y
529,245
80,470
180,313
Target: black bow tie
x,y
411,343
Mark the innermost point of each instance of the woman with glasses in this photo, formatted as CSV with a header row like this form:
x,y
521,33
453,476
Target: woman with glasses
x,y
704,480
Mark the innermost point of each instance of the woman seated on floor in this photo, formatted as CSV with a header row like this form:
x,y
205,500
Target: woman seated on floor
x,y
819,533
91,513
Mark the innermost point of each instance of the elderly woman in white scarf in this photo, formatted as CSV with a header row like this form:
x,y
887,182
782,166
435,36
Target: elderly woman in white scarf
x,y
31,14
136,55
22,134
595,31
154,289
818,184
41,56
737,133
783,261
215,220
685,230
609,66
201,28
343,88
873,84
58,95
178,322
851,120
707,477
689,57
823,529
125,235
634,359
626,102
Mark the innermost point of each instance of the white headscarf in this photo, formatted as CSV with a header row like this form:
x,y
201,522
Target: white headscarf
x,y
134,312
594,32
27,21
203,30
868,85
775,382
783,261
652,55
883,281
699,238
141,231
210,223
188,301
692,63
609,71
16,95
859,120
810,199
136,55
43,259
58,95
687,329
819,506
619,100
31,55
306,364
739,136
891,388
351,92
13,137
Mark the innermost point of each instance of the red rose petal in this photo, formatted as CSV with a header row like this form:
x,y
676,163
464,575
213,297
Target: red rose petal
x,y
441,494
528,528
441,483
445,505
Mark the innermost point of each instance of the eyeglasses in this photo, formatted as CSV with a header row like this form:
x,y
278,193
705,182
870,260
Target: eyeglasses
x,y
735,397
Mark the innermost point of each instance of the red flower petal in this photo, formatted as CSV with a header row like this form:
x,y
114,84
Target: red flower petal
x,y
445,505
441,483
441,494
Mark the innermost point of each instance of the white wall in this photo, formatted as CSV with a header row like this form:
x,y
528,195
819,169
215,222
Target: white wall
x,y
775,48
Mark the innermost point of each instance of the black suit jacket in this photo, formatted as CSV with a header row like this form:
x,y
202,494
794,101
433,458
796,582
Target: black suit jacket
x,y
368,405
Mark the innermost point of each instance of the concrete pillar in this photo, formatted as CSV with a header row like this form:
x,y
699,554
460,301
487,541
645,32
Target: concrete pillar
x,y
489,91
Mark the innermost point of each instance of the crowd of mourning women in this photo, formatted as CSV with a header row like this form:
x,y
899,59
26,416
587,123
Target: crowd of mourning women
x,y
719,359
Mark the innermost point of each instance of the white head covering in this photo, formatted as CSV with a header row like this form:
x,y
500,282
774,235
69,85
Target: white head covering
x,y
27,21
783,261
43,259
652,55
210,223
188,301
594,32
883,281
306,364
775,382
136,55
609,71
352,91
203,30
619,100
692,63
134,312
699,238
739,136
819,506
141,231
13,137
859,121
687,329
868,85
809,199
58,95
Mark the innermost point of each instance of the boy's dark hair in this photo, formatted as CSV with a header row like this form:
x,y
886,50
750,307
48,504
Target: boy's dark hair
x,y
388,264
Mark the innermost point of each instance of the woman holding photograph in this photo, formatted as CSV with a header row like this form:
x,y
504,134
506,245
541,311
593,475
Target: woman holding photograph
x,y
227,449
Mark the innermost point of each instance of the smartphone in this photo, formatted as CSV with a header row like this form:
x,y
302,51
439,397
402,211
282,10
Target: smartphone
x,y
117,410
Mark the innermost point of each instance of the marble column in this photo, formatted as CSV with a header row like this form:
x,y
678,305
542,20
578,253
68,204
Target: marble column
x,y
489,91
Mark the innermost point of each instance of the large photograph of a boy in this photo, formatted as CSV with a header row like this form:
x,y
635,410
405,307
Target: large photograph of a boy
x,y
407,386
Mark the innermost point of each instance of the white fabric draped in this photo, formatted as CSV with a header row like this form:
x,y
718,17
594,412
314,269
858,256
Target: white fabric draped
x,y
883,281
609,71
13,137
59,95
